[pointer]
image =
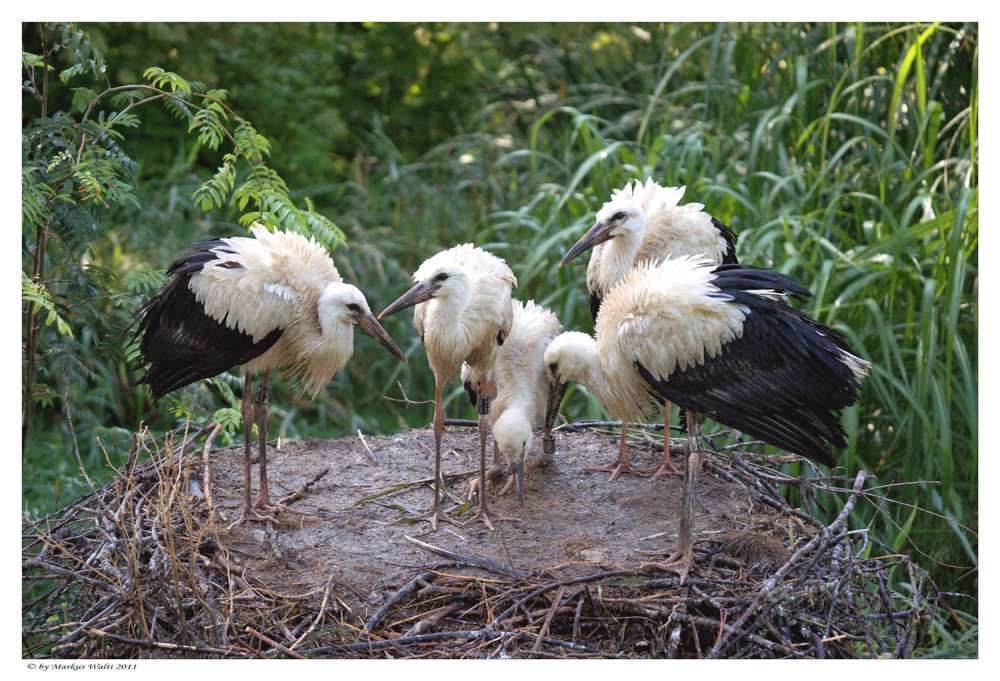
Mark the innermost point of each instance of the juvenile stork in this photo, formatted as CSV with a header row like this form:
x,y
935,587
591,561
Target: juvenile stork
x,y
645,223
462,314
716,340
521,384
263,303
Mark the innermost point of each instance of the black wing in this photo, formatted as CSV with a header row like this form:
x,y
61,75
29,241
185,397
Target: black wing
x,y
729,257
179,343
783,381
595,305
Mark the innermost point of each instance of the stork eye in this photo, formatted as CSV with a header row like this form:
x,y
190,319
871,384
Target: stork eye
x,y
354,307
553,367
439,278
618,216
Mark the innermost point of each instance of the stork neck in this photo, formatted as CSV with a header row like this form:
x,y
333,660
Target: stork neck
x,y
618,389
619,256
586,369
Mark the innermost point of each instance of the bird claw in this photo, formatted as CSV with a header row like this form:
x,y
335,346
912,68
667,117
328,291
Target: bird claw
x,y
472,490
616,468
664,468
678,562
435,515
509,487
529,465
487,517
251,513
279,507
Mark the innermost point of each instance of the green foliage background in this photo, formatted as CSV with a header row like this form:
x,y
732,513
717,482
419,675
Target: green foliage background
x,y
843,154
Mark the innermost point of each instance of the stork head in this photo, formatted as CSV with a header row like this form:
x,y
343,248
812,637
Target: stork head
x,y
566,359
620,217
472,383
344,304
512,432
447,280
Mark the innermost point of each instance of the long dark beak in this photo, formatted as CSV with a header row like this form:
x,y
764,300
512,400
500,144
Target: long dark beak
x,y
597,234
418,294
518,468
556,392
471,391
370,325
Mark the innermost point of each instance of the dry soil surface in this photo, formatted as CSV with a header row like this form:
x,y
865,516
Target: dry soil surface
x,y
572,521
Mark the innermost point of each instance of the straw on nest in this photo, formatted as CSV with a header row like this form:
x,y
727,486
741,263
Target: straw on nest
x,y
137,569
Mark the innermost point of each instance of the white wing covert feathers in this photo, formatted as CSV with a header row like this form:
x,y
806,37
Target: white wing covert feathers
x,y
274,300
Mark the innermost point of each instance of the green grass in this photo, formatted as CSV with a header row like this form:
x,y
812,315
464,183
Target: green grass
x,y
845,155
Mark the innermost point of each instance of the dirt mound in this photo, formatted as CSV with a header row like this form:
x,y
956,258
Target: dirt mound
x,y
572,521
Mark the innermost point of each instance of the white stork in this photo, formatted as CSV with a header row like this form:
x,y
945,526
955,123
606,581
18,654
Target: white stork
x,y
518,378
263,303
463,313
717,340
645,223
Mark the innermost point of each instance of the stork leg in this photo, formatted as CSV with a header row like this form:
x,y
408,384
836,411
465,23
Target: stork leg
x,y
682,559
436,513
665,465
248,512
483,513
260,415
621,464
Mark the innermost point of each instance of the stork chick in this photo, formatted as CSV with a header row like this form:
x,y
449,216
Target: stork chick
x,y
716,340
519,379
462,314
273,301
645,223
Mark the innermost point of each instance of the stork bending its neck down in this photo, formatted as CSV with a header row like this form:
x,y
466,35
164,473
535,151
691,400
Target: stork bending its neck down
x,y
518,378
645,223
717,340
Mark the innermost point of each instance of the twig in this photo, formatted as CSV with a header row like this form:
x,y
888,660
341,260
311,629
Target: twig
x,y
399,595
301,491
548,619
319,615
207,471
771,583
72,430
378,462
270,641
487,563
406,400
165,646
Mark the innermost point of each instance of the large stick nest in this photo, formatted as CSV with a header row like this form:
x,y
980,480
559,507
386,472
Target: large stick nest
x,y
150,566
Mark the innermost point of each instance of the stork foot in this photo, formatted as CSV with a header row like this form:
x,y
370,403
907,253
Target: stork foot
x,y
436,515
529,465
617,467
487,517
277,507
472,491
251,513
664,468
679,561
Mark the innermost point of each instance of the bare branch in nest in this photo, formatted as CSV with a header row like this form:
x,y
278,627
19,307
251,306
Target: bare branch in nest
x,y
490,564
406,400
141,567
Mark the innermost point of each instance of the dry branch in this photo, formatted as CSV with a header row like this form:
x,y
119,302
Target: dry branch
x,y
141,568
